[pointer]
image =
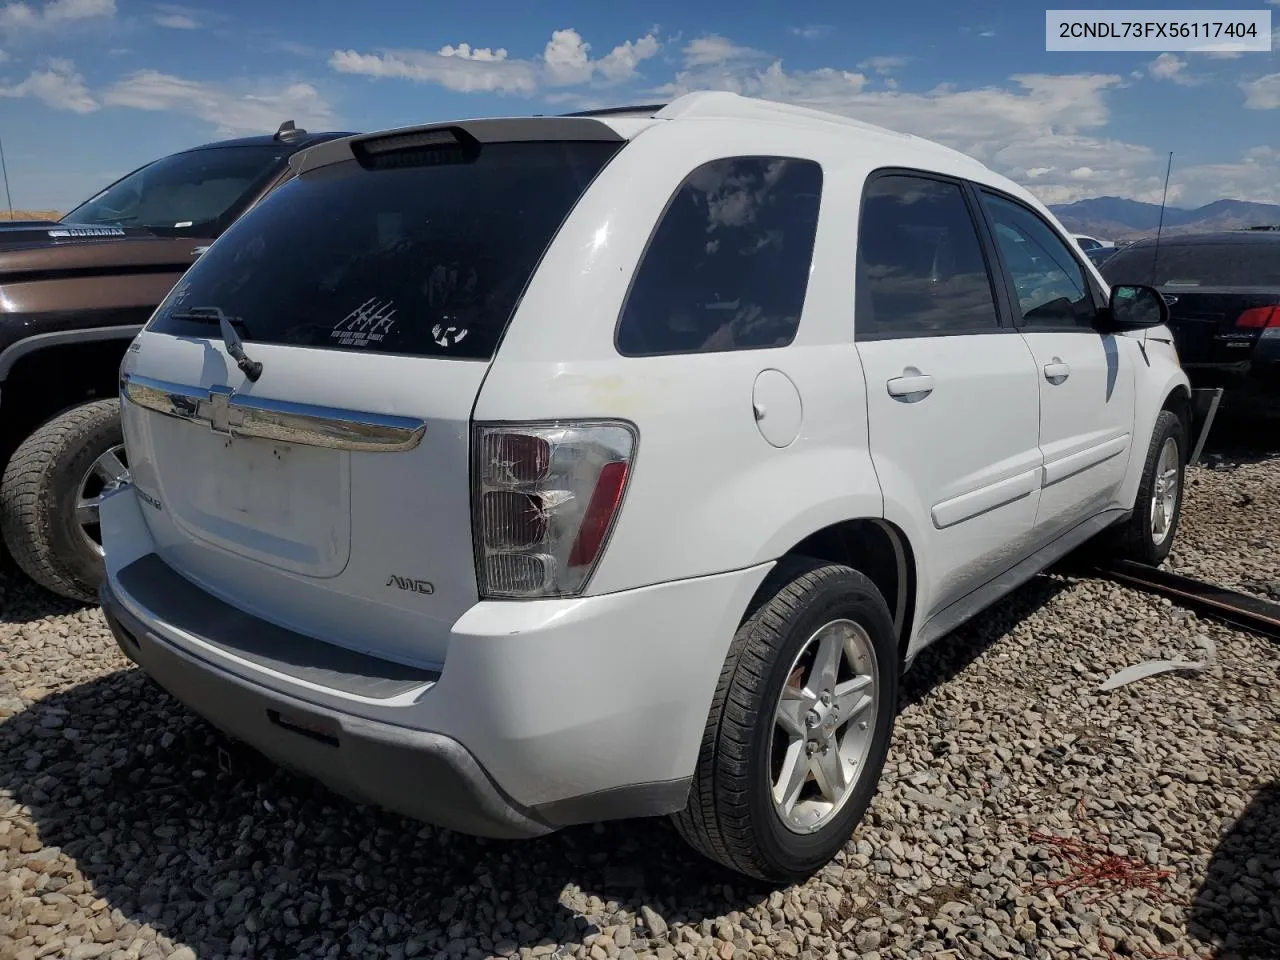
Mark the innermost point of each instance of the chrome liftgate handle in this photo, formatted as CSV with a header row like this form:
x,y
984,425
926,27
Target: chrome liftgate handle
x,y
226,412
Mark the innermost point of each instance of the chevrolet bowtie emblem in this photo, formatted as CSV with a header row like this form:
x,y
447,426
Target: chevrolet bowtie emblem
x,y
219,412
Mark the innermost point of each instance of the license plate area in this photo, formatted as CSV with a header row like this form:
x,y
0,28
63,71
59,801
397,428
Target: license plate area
x,y
286,505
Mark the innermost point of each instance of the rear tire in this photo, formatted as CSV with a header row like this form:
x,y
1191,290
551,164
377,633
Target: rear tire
x,y
41,493
1147,536
733,816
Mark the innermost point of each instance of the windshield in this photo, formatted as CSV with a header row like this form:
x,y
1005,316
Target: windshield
x,y
196,193
426,258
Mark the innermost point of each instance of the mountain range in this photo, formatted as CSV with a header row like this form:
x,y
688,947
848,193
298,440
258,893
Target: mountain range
x,y
1115,218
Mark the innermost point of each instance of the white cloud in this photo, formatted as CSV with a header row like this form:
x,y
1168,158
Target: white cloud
x,y
987,33
17,16
810,32
565,61
4,57
568,58
884,65
621,62
715,49
176,21
79,9
58,85
231,111
175,17
465,51
715,63
1169,66
1044,130
1252,177
1039,122
20,15
452,70
1262,93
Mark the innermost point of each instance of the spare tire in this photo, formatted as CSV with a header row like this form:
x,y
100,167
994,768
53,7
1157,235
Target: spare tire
x,y
49,498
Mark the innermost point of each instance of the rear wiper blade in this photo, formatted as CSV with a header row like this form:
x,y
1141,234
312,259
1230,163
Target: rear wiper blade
x,y
251,368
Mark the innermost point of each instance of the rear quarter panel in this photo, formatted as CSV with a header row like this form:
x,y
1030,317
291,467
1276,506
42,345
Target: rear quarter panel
x,y
708,493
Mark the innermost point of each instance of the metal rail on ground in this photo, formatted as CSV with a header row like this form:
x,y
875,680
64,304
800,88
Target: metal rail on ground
x,y
1242,610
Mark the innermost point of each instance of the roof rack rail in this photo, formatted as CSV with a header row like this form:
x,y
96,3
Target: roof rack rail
x,y
647,109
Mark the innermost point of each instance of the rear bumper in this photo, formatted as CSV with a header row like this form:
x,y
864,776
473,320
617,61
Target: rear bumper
x,y
545,713
419,774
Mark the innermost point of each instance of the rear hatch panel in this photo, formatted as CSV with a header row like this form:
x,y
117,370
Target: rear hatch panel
x,y
337,544
332,496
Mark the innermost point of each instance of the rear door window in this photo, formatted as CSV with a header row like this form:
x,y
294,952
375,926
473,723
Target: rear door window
x,y
728,265
921,270
425,256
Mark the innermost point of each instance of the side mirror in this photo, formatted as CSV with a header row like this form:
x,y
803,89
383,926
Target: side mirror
x,y
1135,307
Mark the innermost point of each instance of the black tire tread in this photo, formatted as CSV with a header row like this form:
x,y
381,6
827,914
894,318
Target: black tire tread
x,y
1130,541
715,820
24,502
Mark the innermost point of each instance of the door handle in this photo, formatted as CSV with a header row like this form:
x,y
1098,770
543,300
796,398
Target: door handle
x,y
1055,371
911,386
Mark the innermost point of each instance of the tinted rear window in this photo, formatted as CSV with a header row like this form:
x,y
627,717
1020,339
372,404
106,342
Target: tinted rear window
x,y
427,259
728,265
1199,265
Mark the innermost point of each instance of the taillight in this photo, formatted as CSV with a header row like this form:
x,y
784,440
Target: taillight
x,y
1266,319
545,497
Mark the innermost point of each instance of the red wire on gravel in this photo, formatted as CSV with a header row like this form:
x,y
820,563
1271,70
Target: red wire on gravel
x,y
1094,868
1100,870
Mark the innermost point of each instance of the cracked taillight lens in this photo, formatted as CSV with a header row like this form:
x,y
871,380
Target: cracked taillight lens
x,y
545,497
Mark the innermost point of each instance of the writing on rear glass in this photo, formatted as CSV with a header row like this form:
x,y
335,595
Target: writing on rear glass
x,y
368,323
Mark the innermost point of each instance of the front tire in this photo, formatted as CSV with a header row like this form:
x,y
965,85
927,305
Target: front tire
x,y
800,725
1147,537
49,493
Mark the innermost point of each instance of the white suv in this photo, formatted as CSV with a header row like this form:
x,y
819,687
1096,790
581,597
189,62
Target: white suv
x,y
519,473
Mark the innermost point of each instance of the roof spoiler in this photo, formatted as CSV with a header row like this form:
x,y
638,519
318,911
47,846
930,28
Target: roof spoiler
x,y
481,130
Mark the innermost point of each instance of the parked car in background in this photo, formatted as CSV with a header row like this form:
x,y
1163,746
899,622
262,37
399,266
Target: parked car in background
x,y
1100,255
75,293
1223,291
576,478
1087,243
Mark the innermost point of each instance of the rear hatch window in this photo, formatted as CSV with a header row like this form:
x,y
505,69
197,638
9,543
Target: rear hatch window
x,y
1198,265
425,256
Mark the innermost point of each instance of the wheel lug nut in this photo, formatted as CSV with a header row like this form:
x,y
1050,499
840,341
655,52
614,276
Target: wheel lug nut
x,y
826,699
812,719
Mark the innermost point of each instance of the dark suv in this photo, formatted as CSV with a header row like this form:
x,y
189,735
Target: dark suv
x,y
73,294
1223,291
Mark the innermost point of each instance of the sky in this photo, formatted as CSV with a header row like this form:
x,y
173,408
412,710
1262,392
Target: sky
x,y
91,89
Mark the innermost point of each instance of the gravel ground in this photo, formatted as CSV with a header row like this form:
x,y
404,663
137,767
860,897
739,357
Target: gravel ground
x,y
120,838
